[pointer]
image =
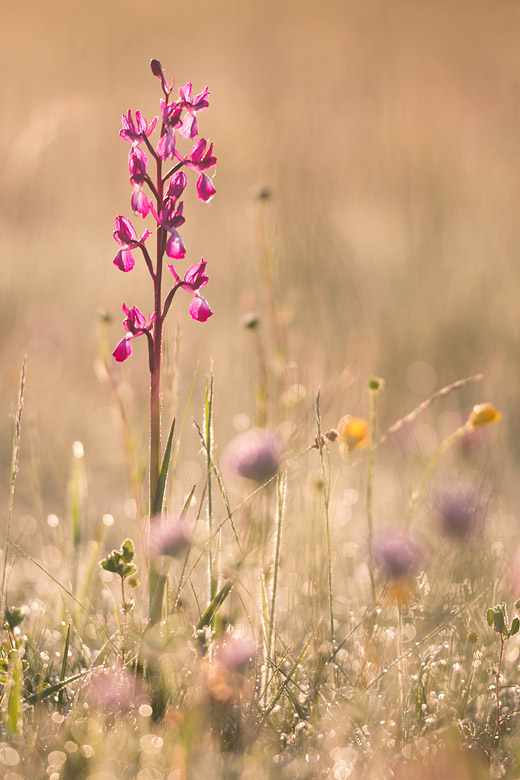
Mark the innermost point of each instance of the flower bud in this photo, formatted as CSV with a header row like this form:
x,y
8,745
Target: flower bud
x,y
483,414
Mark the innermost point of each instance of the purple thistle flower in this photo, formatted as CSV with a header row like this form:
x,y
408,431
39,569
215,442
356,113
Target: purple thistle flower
x,y
114,690
460,513
171,538
236,653
255,454
397,554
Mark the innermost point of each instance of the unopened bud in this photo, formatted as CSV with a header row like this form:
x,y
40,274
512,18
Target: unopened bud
x,y
483,414
156,68
375,384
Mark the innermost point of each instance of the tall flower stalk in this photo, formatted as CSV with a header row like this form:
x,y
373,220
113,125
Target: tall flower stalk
x,y
157,190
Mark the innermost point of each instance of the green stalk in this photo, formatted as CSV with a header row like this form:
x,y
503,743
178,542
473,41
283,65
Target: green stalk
x,y
281,494
15,457
325,470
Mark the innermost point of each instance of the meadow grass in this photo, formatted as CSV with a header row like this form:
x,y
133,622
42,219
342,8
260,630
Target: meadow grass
x,y
351,613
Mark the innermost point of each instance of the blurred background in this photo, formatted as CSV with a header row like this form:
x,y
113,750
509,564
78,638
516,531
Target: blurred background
x,y
387,135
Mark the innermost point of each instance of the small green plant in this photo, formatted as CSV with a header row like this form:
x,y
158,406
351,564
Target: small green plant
x,y
498,620
120,562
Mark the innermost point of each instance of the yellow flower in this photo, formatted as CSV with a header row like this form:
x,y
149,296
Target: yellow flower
x,y
352,434
483,414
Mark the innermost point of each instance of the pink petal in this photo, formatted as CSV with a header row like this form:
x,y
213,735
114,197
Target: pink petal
x,y
177,185
124,232
195,277
174,246
123,350
166,145
189,127
139,202
197,151
124,260
199,308
205,188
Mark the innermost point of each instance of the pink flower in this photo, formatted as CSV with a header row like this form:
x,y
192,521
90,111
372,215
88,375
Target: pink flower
x,y
135,324
205,188
190,125
133,132
166,145
126,237
177,185
170,218
201,159
194,278
199,308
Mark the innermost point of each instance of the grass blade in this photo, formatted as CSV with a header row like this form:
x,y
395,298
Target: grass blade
x,y
206,618
163,473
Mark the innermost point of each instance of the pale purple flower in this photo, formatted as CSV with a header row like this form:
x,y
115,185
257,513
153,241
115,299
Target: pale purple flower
x,y
255,454
135,325
170,538
460,513
134,132
126,237
115,690
397,554
236,653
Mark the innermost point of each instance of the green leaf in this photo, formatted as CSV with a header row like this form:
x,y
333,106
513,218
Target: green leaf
x,y
515,626
119,561
499,623
214,606
128,549
163,473
490,616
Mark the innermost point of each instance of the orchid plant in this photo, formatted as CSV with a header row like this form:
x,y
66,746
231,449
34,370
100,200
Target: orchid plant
x,y
157,191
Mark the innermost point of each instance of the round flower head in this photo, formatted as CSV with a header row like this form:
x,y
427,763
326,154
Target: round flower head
x,y
352,434
236,653
460,513
255,454
397,554
169,539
